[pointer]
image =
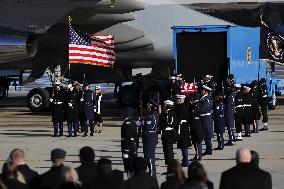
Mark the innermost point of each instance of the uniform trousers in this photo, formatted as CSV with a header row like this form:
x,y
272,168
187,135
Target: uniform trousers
x,y
208,144
87,124
184,152
58,126
231,134
263,108
247,128
220,139
168,152
198,149
72,125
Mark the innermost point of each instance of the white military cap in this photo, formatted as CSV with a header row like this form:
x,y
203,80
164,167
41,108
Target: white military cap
x,y
206,88
173,78
98,87
247,88
169,102
57,83
238,85
69,86
180,96
208,76
179,75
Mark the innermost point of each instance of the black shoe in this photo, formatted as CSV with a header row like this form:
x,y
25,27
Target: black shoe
x,y
91,134
60,135
206,153
99,131
69,136
229,144
263,129
246,135
85,135
75,135
54,136
218,148
193,159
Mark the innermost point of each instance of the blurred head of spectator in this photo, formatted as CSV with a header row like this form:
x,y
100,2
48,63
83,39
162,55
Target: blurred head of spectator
x,y
139,165
254,158
9,171
175,168
243,155
70,175
57,156
87,154
196,172
104,167
17,156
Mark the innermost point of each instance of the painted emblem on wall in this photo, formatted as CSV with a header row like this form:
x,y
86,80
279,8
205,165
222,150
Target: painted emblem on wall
x,y
249,54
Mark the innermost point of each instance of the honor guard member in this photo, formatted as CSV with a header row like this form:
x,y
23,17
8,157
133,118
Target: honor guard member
x,y
195,125
89,101
128,146
174,89
248,111
255,105
98,110
219,120
179,80
150,137
183,130
72,110
57,109
230,113
167,125
209,83
230,83
239,111
206,118
263,101
81,118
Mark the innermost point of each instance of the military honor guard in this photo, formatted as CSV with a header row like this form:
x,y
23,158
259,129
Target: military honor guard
x,y
248,111
81,118
57,109
167,125
196,130
72,110
183,129
98,110
89,104
150,137
240,116
206,118
174,89
263,101
255,105
128,142
219,120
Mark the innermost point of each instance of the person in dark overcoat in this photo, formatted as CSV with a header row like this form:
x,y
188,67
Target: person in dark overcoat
x,y
248,111
57,110
255,105
167,125
263,102
195,125
81,116
229,102
219,120
240,116
72,111
183,129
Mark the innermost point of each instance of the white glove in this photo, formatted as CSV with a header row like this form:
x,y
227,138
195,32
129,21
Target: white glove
x,y
50,100
70,104
125,156
81,99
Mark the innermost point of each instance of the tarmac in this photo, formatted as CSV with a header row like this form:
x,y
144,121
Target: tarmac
x,y
20,128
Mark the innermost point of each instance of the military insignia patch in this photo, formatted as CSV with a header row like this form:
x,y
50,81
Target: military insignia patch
x,y
275,46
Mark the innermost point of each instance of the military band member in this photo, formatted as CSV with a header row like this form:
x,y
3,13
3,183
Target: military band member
x,y
240,116
183,129
219,120
263,101
128,145
98,110
150,137
230,113
196,130
72,110
57,109
206,118
255,105
167,125
89,101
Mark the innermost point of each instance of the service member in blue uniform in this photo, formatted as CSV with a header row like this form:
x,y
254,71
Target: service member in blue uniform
x,y
219,120
240,112
183,129
128,145
263,101
206,118
167,125
255,105
230,113
99,110
196,130
150,137
89,101
57,109
72,110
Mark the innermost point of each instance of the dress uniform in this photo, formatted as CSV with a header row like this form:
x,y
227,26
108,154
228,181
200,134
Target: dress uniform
x,y
240,116
255,105
196,130
183,129
174,89
128,145
80,107
263,101
89,101
150,137
72,111
167,125
248,111
219,120
209,83
57,109
98,110
230,114
206,118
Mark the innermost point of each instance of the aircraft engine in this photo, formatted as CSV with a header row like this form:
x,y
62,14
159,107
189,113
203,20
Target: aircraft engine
x,y
15,46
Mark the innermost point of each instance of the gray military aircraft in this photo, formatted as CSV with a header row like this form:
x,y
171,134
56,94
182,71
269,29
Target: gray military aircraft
x,y
34,33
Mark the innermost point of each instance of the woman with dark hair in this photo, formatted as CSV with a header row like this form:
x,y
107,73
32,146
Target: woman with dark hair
x,y
197,177
175,176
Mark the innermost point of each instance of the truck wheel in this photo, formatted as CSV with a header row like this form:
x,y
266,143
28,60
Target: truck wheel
x,y
126,96
37,100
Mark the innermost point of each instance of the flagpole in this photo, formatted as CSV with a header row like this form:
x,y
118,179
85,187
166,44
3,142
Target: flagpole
x,y
69,65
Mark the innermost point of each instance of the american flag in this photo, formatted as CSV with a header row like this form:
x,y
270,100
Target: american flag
x,y
90,48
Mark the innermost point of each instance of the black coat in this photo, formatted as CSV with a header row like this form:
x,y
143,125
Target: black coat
x,y
57,107
128,136
15,184
255,104
142,180
72,106
263,98
52,178
27,172
167,125
89,104
196,130
245,176
68,185
230,109
197,185
88,173
171,183
219,117
248,107
183,129
110,181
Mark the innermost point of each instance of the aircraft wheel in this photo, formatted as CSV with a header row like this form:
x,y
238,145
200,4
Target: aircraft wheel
x,y
38,99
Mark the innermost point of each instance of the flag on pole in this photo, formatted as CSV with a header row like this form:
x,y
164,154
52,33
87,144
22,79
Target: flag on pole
x,y
271,44
90,49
